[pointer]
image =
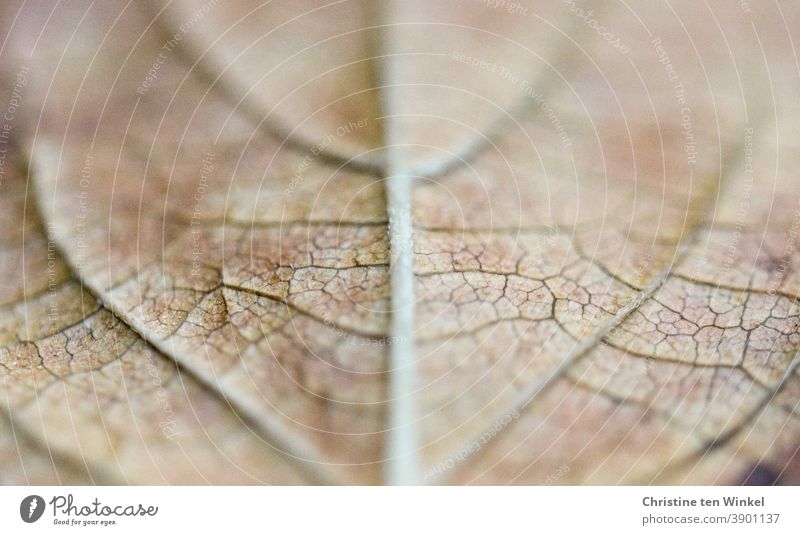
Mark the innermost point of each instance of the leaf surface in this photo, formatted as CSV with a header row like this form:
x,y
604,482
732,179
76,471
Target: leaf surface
x,y
404,242
103,403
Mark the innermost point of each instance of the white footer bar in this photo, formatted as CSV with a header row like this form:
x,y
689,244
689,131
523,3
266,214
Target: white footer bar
x,y
355,510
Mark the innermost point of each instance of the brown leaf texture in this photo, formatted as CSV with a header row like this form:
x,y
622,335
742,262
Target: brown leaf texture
x,y
398,242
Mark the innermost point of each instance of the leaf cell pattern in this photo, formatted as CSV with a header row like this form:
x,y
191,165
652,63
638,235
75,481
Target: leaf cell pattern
x,y
364,242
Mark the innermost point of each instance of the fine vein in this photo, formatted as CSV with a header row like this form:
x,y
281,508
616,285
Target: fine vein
x,y
696,221
295,449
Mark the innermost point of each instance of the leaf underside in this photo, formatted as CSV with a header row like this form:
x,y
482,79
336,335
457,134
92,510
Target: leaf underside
x,y
357,242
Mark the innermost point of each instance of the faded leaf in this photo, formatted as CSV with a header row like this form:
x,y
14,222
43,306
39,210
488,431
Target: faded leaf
x,y
400,242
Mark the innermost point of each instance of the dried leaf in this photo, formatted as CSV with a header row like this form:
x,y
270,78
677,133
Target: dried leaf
x,y
401,242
